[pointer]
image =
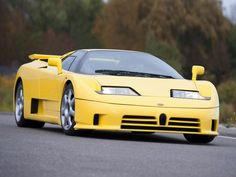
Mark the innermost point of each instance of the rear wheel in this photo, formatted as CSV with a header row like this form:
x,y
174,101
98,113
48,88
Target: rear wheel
x,y
201,139
68,110
19,110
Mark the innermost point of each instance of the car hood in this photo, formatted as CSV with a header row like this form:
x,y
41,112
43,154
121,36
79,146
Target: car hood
x,y
156,87
154,91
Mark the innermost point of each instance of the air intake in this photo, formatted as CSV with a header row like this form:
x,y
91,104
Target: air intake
x,y
162,119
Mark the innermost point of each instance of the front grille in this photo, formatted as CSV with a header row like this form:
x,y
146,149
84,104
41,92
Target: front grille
x,y
184,122
138,120
159,128
150,123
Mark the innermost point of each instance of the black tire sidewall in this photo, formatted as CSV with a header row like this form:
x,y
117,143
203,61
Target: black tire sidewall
x,y
199,139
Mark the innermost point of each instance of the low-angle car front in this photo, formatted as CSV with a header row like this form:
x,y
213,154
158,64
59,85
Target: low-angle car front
x,y
115,90
135,91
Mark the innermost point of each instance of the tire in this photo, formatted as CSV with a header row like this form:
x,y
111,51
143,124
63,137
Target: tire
x,y
199,139
67,115
19,110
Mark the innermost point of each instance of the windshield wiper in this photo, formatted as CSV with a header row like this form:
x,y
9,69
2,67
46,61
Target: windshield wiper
x,y
130,73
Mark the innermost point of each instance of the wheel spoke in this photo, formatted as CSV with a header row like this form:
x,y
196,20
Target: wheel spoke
x,y
69,121
65,99
21,93
70,94
63,121
63,108
20,113
17,110
73,102
18,101
72,112
21,107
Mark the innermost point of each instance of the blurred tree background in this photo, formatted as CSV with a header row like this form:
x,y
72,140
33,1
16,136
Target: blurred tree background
x,y
182,32
42,26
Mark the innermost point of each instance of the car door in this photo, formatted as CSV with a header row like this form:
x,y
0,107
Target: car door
x,y
51,87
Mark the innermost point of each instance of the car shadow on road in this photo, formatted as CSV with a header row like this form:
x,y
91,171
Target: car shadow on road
x,y
125,136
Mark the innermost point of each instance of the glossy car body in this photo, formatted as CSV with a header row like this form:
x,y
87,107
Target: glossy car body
x,y
152,109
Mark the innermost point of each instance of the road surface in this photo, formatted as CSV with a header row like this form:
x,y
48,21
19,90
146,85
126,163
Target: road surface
x,y
27,152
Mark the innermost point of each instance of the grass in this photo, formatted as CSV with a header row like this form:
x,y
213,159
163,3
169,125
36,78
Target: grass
x,y
6,89
227,114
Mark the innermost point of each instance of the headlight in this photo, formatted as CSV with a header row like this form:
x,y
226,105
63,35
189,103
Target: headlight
x,y
188,95
118,91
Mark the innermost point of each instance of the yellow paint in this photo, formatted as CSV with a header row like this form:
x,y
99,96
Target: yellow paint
x,y
197,70
42,81
111,116
67,54
55,62
42,56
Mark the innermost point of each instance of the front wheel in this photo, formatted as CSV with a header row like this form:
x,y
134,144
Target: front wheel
x,y
201,139
68,111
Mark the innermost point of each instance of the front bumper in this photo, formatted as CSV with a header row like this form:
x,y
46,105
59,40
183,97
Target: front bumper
x,y
107,116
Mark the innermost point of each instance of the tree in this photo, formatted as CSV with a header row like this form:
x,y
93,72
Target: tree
x,y
12,27
168,53
232,46
196,29
42,26
123,24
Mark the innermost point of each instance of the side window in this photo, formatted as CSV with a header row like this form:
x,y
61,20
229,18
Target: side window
x,y
79,55
67,62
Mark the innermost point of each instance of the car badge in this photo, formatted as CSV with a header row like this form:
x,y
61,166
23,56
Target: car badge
x,y
160,104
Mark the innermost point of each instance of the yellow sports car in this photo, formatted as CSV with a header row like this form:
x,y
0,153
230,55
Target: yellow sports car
x,y
115,90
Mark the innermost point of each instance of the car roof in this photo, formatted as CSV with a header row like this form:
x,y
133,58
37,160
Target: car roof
x,y
112,50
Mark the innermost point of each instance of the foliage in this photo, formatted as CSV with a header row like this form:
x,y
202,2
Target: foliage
x,y
55,26
227,114
168,53
227,94
232,45
197,29
6,90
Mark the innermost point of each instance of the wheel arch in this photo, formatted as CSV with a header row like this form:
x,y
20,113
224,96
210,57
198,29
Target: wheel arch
x,y
67,82
17,82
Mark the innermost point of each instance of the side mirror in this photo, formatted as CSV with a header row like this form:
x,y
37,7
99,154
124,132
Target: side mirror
x,y
197,70
55,62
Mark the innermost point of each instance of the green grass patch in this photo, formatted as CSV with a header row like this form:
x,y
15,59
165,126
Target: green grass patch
x,y
227,95
6,90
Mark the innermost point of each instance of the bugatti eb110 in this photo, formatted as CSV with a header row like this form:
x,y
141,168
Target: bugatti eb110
x,y
122,90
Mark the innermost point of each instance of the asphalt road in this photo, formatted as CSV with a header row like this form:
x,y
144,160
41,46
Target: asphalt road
x,y
26,152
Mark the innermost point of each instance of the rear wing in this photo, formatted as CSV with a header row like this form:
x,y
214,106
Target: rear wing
x,y
43,56
46,57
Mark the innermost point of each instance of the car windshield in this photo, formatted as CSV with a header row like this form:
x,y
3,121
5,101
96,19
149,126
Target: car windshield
x,y
126,63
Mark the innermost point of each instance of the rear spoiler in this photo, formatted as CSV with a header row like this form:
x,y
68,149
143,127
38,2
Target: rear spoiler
x,y
43,57
46,57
